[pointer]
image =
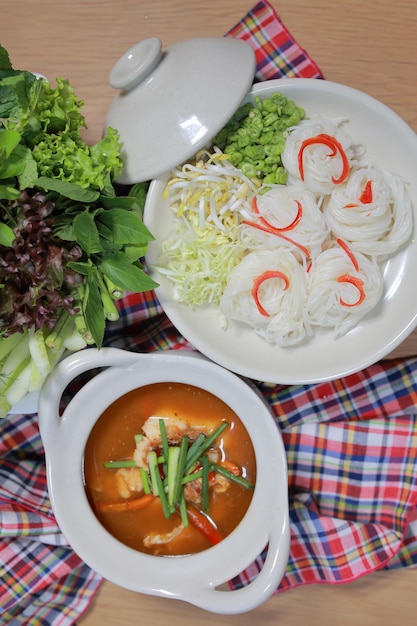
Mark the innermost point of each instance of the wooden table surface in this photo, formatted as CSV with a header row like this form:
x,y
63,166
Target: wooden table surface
x,y
367,44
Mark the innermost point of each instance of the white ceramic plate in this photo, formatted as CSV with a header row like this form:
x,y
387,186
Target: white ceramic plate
x,y
393,145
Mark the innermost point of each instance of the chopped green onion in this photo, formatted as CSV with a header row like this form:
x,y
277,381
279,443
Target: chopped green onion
x,y
188,478
205,484
173,457
194,451
119,464
165,444
180,469
180,464
157,485
201,444
237,479
145,481
183,511
216,433
154,471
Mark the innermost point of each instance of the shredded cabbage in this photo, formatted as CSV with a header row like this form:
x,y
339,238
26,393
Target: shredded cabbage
x,y
208,199
199,260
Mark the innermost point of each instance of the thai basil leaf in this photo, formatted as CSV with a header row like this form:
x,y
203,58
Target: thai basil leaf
x,y
7,235
70,190
124,274
139,192
81,267
125,226
118,202
8,192
134,253
86,233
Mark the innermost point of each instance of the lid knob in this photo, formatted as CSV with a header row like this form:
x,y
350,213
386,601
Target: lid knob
x,y
136,64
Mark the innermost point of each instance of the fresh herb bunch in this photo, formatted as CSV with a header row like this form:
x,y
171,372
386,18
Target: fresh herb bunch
x,y
69,244
37,284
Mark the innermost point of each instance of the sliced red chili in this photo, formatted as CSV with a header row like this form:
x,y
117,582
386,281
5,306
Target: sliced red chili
x,y
349,252
204,525
358,283
367,194
335,148
290,226
272,231
134,504
259,280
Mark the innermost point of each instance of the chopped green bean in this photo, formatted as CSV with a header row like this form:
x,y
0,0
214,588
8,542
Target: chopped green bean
x,y
258,124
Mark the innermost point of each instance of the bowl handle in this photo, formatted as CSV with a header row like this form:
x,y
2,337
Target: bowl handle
x,y
65,372
260,589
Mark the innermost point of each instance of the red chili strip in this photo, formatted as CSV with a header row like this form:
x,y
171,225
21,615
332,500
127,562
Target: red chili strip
x,y
134,504
259,280
335,148
265,222
367,194
358,283
349,252
255,205
272,231
204,525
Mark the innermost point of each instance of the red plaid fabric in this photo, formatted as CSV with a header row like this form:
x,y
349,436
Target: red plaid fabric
x,y
351,449
277,52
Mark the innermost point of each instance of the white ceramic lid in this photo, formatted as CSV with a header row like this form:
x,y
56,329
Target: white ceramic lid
x,y
172,102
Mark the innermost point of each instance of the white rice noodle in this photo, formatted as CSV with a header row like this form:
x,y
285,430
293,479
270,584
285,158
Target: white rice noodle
x,y
319,166
378,228
325,293
279,208
284,325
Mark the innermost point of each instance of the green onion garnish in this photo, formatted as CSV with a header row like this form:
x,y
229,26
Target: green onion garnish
x,y
119,464
205,483
176,466
237,479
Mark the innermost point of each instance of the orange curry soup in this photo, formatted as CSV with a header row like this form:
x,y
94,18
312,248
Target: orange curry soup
x,y
113,439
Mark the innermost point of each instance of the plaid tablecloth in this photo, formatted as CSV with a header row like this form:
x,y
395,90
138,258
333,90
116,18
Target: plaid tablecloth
x,y
351,446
